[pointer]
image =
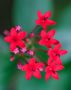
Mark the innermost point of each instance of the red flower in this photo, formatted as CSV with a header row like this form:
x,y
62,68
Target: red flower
x,y
51,70
33,68
47,38
43,19
15,39
56,53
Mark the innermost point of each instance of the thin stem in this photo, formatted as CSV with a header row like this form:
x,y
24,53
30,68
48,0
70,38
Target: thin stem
x,y
21,55
41,59
33,31
39,49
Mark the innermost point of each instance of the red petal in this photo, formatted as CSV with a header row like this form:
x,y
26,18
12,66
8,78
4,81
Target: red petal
x,y
25,67
47,76
12,46
39,14
48,14
28,75
57,47
50,52
41,42
32,61
22,34
63,52
55,75
51,33
57,59
37,22
8,39
50,60
44,25
21,44
54,41
37,74
48,44
59,67
47,69
13,32
43,34
53,64
51,22
40,66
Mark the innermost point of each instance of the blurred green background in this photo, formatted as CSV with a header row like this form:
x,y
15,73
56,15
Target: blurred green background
x,y
24,13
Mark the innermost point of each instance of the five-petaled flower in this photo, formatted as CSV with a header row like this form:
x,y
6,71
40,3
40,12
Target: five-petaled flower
x,y
47,38
33,68
15,39
43,20
56,52
51,70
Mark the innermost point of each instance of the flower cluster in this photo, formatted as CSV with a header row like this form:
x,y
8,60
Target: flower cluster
x,y
22,45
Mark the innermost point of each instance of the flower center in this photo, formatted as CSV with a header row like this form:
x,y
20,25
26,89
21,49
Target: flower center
x,y
32,68
15,39
44,19
47,39
57,55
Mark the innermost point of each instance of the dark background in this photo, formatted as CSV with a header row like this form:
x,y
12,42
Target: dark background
x,y
24,13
